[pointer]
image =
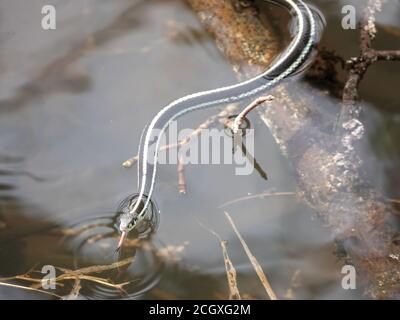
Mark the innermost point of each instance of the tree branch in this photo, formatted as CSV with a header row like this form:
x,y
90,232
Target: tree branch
x,y
358,66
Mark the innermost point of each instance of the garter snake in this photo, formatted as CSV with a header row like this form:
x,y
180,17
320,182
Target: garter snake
x,y
290,61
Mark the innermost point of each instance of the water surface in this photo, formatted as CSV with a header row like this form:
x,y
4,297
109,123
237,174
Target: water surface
x,y
73,103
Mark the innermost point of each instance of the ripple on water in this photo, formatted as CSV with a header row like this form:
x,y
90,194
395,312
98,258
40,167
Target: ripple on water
x,y
93,242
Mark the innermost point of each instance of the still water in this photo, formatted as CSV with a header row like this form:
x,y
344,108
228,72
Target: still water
x,y
73,103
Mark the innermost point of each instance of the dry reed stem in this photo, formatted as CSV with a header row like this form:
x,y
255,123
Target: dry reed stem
x,y
231,274
257,267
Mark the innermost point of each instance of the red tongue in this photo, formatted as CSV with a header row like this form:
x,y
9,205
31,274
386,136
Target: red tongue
x,y
121,239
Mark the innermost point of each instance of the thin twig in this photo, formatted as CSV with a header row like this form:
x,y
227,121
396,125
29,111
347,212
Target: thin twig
x,y
73,295
257,267
206,124
239,118
358,66
94,269
257,196
387,55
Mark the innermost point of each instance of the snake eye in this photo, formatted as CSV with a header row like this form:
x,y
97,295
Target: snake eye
x,y
132,223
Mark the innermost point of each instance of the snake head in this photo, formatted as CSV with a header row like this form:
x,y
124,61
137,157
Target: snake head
x,y
126,224
132,215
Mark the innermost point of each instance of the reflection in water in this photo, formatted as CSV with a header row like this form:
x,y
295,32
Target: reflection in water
x,y
245,125
55,77
24,242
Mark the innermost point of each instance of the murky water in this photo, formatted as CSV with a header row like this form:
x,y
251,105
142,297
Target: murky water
x,y
73,102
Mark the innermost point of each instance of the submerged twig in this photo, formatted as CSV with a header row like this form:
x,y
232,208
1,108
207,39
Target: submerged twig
x,y
94,269
294,284
257,267
76,275
206,124
239,118
257,196
73,295
181,176
231,275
